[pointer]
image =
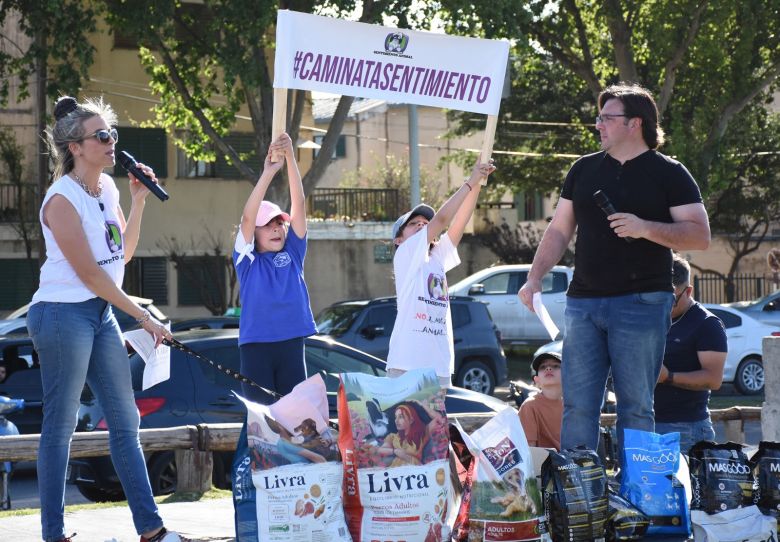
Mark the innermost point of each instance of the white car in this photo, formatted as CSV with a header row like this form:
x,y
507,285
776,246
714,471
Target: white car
x,y
497,287
744,367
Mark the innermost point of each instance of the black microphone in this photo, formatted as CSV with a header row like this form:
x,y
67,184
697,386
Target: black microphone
x,y
129,163
603,202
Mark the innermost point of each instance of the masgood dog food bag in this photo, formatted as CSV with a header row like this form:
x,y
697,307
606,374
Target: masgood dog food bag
x,y
766,470
293,462
625,521
574,489
502,501
721,477
394,442
655,478
746,524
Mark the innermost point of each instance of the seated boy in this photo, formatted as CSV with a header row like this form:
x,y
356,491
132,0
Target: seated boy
x,y
541,414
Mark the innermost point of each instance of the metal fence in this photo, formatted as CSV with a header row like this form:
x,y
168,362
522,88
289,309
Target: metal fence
x,y
710,288
17,202
370,204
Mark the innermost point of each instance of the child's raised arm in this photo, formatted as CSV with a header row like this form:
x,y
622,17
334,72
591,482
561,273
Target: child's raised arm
x,y
457,210
297,197
252,205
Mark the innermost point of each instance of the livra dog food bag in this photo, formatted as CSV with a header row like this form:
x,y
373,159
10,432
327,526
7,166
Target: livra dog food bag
x,y
501,498
292,458
394,442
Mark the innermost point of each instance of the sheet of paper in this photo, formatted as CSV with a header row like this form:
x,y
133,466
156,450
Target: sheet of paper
x,y
158,360
544,316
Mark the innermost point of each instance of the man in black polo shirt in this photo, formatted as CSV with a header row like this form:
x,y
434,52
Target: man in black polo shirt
x,y
696,348
618,304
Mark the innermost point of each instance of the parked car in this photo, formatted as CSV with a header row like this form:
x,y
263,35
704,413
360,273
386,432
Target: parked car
x,y
480,363
198,393
765,309
16,322
206,322
744,367
23,381
497,287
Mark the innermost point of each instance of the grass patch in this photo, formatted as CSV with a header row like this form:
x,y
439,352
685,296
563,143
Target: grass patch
x,y
728,401
213,493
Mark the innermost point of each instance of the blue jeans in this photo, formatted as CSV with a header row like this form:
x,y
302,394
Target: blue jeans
x,y
277,366
690,432
623,334
78,342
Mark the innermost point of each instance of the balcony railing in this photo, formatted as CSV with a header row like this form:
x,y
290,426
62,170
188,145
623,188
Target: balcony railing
x,y
367,204
17,202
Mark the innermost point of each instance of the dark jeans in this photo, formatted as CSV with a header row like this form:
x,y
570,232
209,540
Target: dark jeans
x,y
277,366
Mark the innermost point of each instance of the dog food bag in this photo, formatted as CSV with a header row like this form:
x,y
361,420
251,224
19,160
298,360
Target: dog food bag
x,y
654,480
293,462
394,442
745,524
625,521
766,470
503,501
574,489
721,477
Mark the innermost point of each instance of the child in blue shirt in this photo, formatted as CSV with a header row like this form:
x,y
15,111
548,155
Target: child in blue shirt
x,y
269,252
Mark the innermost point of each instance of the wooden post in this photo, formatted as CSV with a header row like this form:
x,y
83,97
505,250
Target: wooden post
x,y
279,121
487,143
193,471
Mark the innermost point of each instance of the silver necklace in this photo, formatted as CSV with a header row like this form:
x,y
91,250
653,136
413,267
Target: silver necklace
x,y
683,314
95,194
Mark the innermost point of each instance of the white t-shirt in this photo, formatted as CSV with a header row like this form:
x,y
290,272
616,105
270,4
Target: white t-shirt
x,y
59,281
422,335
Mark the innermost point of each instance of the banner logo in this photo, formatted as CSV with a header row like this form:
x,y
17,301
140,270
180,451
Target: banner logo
x,y
396,42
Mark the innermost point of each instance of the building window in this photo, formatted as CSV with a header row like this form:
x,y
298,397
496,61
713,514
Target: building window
x,y
529,205
147,145
189,168
341,147
148,277
20,280
201,280
244,145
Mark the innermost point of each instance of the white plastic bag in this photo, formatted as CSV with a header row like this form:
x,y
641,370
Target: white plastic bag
x,y
746,524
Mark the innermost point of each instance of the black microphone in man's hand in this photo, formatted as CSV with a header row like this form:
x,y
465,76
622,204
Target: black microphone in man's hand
x,y
129,163
603,202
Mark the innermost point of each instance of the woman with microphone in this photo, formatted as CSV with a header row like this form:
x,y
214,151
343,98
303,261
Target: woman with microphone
x,y
71,320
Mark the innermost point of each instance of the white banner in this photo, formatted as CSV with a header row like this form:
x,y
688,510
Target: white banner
x,y
403,66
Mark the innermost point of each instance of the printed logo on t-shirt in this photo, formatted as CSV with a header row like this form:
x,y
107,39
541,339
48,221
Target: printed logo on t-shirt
x,y
282,259
113,236
437,287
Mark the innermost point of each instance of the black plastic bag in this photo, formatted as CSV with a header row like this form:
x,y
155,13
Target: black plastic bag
x,y
625,521
765,464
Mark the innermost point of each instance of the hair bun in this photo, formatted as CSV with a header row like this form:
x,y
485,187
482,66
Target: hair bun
x,y
64,106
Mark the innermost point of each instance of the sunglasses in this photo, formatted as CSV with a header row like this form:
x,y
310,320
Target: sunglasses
x,y
104,136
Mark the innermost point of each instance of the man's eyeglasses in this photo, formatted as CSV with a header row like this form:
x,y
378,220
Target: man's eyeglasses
x,y
104,136
606,117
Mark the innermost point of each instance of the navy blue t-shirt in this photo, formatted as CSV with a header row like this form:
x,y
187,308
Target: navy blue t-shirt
x,y
647,186
274,299
698,330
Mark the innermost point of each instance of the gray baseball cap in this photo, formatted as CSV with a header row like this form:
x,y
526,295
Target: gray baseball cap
x,y
421,210
543,356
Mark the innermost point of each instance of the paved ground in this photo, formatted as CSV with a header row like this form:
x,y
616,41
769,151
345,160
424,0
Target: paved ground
x,y
208,520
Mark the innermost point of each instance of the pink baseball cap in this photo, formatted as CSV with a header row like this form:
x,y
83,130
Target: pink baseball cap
x,y
269,211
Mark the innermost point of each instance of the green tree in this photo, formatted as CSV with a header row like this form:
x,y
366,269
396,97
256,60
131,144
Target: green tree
x,y
712,65
208,60
53,60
